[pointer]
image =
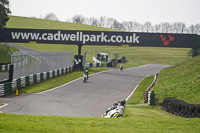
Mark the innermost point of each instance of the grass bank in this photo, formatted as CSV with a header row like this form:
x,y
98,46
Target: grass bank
x,y
34,23
181,81
150,123
138,97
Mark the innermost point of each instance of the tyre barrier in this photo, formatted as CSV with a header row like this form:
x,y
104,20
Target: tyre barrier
x,y
122,59
21,82
181,108
112,63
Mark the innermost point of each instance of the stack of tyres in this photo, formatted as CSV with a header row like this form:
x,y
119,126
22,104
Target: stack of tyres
x,y
197,111
181,108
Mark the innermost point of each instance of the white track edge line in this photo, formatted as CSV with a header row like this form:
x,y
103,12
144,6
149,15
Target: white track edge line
x,y
135,88
5,104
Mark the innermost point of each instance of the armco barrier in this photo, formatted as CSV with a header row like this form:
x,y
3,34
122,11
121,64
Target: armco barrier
x,y
181,108
93,65
147,93
4,67
19,83
96,63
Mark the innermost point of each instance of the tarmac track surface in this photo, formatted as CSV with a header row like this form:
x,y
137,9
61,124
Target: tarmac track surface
x,y
80,99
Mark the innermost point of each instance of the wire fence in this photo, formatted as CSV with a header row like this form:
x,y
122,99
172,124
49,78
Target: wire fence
x,y
29,62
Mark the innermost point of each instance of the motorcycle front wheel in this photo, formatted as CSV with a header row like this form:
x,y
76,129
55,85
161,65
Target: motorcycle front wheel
x,y
116,115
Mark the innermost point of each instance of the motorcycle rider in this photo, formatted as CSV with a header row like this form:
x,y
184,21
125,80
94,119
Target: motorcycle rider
x,y
86,73
121,67
118,103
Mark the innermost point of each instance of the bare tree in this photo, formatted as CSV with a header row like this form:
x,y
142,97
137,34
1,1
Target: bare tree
x,y
109,22
179,27
132,26
165,27
147,26
128,26
116,25
170,29
78,19
51,16
102,21
139,27
176,27
197,27
192,29
183,28
93,21
157,28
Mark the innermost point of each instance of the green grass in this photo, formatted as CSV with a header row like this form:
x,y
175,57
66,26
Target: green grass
x,y
6,58
181,81
136,56
33,23
52,83
145,120
138,97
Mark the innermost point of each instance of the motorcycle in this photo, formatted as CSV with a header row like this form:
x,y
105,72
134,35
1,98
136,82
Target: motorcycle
x,y
85,78
116,111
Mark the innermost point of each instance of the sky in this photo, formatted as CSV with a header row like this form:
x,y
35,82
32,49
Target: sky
x,y
141,11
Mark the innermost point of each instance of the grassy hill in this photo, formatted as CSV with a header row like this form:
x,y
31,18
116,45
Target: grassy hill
x,y
29,23
181,81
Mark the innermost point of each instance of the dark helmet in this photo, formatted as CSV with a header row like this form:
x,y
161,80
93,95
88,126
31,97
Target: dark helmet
x,y
123,102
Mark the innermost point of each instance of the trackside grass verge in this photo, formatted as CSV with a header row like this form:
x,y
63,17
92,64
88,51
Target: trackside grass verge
x,y
51,83
181,81
147,122
138,97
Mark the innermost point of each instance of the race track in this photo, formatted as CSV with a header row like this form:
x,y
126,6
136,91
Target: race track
x,y
80,99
